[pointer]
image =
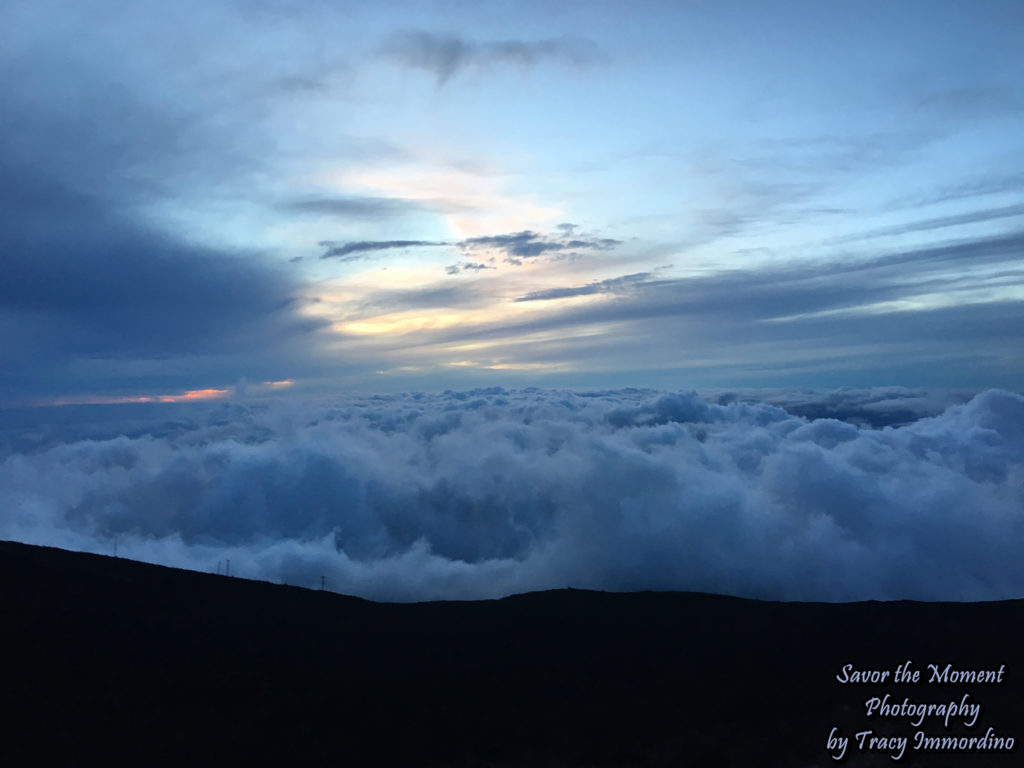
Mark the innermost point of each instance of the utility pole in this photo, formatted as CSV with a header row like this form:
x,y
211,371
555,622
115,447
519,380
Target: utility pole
x,y
322,583
228,571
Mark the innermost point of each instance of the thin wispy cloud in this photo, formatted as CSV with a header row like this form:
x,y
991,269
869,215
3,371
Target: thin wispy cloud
x,y
977,186
444,295
612,285
444,56
466,266
972,102
938,222
363,249
879,312
355,207
516,246
529,245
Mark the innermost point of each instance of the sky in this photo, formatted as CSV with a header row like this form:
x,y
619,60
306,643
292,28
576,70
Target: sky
x,y
220,198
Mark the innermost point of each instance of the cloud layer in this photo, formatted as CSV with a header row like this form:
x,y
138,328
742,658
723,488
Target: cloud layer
x,y
490,492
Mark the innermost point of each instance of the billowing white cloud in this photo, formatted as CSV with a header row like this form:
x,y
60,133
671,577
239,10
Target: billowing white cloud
x,y
490,492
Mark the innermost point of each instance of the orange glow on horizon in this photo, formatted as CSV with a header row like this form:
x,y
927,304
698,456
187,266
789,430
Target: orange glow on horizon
x,y
184,397
95,400
195,394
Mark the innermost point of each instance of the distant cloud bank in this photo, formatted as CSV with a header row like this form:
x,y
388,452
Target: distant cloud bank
x,y
490,492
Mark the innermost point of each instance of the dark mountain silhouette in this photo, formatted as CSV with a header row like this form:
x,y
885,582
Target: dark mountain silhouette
x,y
112,662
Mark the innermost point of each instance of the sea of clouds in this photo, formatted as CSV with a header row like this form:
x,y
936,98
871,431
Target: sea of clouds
x,y
481,494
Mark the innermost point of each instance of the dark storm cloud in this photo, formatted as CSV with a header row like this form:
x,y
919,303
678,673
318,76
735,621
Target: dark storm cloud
x,y
446,55
94,293
489,492
84,281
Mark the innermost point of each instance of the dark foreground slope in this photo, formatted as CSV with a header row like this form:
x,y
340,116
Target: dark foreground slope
x,y
106,661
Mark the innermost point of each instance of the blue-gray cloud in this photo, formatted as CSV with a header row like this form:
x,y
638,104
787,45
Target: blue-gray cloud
x,y
528,244
524,244
363,249
872,408
449,294
971,102
466,266
977,186
793,289
937,222
612,285
84,280
354,207
100,291
446,55
516,246
814,312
